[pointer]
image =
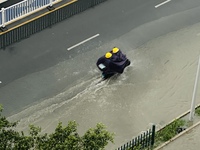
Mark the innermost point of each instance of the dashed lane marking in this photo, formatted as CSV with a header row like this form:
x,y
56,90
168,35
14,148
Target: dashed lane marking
x,y
83,42
167,1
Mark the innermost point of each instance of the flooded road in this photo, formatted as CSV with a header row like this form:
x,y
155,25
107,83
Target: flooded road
x,y
155,89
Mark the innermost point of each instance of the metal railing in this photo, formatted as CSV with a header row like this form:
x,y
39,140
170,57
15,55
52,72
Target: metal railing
x,y
22,9
143,141
42,22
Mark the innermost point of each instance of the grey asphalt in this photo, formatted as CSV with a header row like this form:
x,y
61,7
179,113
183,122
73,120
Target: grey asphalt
x,y
9,3
59,85
49,47
155,88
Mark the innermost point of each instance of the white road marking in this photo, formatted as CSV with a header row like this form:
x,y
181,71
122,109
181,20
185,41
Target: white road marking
x,y
83,41
0,82
162,3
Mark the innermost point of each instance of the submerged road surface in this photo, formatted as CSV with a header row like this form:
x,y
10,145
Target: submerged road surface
x,y
52,77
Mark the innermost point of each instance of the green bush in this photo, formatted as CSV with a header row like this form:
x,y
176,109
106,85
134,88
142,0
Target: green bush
x,y
197,111
64,137
169,131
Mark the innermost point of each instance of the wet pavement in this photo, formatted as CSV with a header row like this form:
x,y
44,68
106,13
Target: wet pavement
x,y
155,89
52,84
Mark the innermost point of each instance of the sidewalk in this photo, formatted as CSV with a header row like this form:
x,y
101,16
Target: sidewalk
x,y
188,141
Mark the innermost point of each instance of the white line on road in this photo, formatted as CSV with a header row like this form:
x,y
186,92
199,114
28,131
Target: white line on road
x,y
83,41
162,3
0,82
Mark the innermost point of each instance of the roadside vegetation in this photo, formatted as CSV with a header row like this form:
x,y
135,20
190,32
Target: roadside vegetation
x,y
168,131
172,129
197,111
67,137
64,137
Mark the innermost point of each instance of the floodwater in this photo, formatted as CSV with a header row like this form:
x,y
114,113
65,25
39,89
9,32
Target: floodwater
x,y
155,89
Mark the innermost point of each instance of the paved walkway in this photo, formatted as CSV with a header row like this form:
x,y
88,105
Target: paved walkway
x,y
188,141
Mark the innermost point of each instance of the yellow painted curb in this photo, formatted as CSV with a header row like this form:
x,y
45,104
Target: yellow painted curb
x,y
73,1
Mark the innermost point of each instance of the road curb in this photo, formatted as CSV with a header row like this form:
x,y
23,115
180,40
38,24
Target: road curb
x,y
180,116
177,136
180,134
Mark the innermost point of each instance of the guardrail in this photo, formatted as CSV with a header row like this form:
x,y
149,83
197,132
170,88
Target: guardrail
x,y
143,141
37,24
22,9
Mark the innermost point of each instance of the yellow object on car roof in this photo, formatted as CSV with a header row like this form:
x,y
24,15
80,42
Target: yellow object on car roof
x,y
108,55
115,50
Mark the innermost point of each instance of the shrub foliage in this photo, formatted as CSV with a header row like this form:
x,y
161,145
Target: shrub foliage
x,y
64,137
